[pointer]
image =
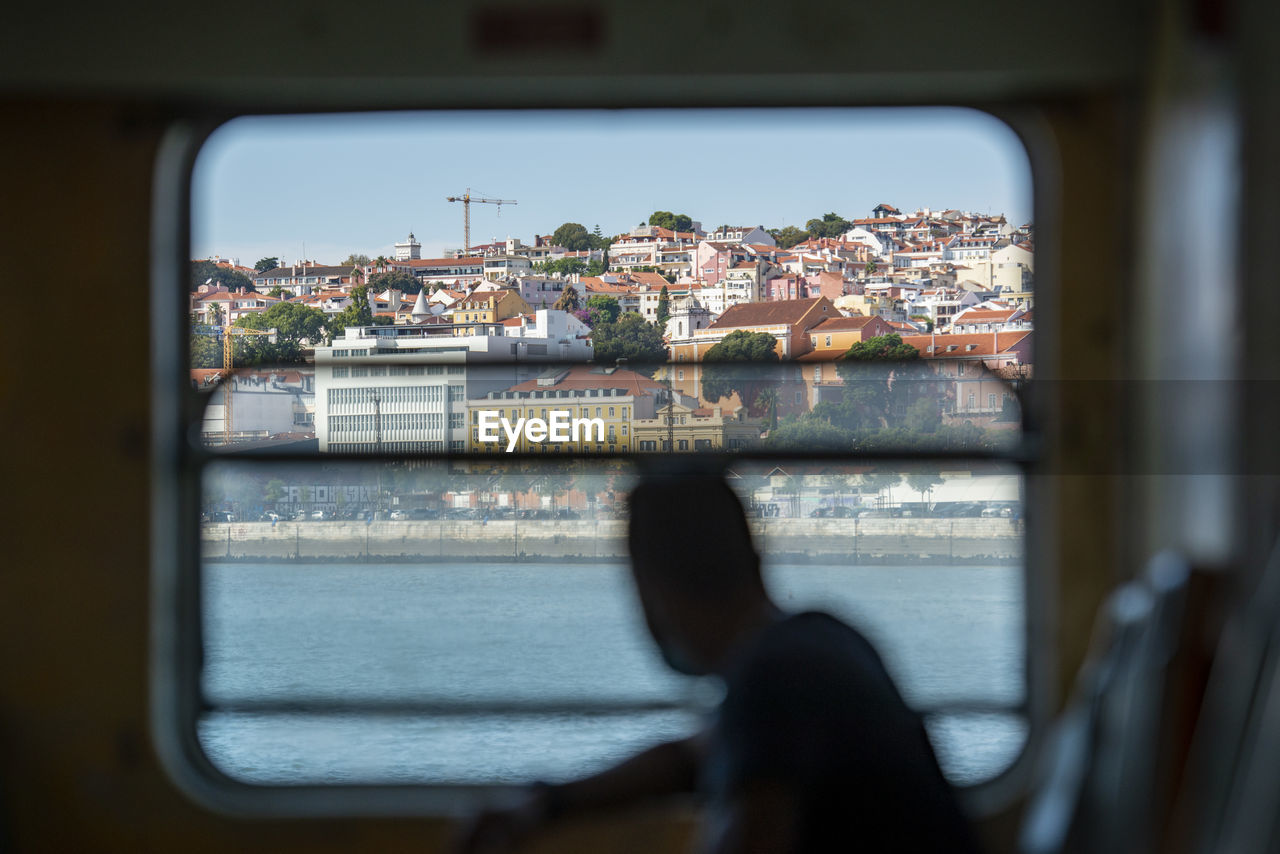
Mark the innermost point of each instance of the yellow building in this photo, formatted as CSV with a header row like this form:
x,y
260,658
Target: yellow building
x,y
487,307
585,409
702,429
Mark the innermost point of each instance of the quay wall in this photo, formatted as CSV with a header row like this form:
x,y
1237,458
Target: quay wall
x,y
818,540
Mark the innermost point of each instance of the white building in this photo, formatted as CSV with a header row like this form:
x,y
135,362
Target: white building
x,y
688,315
409,250
743,234
404,388
551,333
541,291
504,267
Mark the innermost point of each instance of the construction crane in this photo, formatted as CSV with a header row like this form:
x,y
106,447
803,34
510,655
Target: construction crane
x,y
466,199
228,332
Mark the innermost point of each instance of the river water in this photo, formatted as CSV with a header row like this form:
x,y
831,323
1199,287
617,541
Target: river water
x,y
532,641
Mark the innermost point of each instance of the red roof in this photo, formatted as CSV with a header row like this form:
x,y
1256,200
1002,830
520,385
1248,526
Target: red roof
x,y
982,344
984,315
836,323
783,312
587,377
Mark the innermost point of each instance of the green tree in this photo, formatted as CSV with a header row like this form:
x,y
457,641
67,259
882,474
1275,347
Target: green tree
x,y
207,272
355,259
568,300
882,348
831,225
924,415
396,279
572,236
603,309
630,338
297,327
556,479
767,401
878,376
595,268
673,221
206,351
871,268
664,307
265,264
598,240
877,483
277,291
923,483
563,266
722,373
807,432
788,236
274,491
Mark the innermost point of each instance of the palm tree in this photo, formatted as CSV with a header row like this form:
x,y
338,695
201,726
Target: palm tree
x,y
381,263
768,399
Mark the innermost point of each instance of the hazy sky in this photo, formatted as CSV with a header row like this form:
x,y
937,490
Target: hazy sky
x,y
359,183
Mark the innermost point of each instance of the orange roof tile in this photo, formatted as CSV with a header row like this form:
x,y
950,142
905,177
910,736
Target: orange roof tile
x,y
835,323
770,313
586,377
982,344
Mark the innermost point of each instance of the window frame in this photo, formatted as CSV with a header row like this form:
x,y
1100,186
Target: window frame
x,y
176,616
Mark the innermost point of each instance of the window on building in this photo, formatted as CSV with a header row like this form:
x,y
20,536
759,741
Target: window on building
x,y
455,627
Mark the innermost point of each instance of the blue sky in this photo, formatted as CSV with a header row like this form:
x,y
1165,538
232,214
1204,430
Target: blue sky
x,y
360,182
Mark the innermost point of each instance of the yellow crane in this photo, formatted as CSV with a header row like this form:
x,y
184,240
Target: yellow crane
x,y
228,332
466,199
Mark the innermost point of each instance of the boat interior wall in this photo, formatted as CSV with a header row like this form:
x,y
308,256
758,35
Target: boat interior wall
x,y
1152,129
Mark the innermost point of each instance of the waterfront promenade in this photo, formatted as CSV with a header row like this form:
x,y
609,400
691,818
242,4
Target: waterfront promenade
x,y
818,540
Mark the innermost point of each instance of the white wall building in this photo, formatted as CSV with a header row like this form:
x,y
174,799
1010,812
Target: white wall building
x,y
409,250
498,267
540,290
404,388
688,315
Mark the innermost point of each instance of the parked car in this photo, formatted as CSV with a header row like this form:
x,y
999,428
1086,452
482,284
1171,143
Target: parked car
x,y
535,514
319,515
461,513
424,513
398,515
838,512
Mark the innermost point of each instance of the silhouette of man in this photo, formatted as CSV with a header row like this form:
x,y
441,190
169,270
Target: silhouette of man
x,y
812,748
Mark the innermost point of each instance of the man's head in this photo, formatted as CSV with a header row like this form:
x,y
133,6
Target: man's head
x,y
696,571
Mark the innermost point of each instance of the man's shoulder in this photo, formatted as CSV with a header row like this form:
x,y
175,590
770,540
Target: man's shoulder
x,y
812,636
811,659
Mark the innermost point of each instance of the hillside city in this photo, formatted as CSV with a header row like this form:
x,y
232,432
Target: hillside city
x,y
469,353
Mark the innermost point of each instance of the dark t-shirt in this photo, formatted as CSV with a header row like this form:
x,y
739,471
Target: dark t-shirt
x,y
809,706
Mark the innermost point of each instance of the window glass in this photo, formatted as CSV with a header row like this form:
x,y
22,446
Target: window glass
x,y
398,561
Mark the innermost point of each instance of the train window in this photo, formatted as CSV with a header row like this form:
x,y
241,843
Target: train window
x,y
405,461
